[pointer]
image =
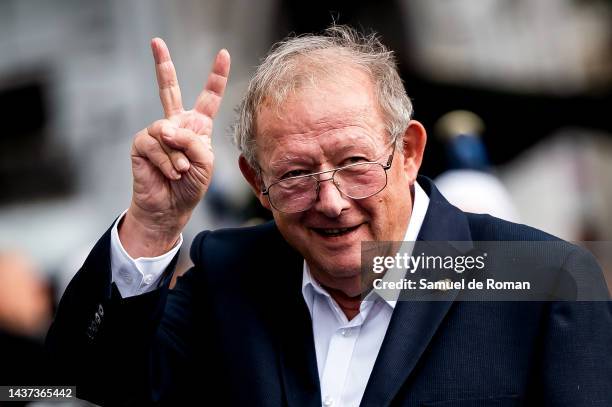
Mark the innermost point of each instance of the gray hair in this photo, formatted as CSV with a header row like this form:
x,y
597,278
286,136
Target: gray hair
x,y
297,59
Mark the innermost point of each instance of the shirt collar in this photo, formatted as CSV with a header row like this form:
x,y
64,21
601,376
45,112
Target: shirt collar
x,y
420,203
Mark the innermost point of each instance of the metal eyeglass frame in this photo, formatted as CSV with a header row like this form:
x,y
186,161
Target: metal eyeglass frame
x,y
266,190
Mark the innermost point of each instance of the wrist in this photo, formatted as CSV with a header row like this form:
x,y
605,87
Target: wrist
x,y
149,236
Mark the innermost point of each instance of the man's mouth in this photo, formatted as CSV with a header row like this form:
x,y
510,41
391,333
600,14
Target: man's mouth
x,y
333,232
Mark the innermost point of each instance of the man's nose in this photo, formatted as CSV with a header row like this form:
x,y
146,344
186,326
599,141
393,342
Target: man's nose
x,y
330,201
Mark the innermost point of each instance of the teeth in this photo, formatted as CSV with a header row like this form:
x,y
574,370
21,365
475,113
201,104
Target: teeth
x,y
335,231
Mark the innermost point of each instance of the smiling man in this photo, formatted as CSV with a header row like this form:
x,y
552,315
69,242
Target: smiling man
x,y
276,314
333,121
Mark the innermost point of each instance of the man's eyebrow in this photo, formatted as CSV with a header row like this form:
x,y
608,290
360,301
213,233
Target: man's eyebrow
x,y
288,159
363,147
352,144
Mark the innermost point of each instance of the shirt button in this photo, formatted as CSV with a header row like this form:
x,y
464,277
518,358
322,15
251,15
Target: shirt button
x,y
328,401
345,332
148,279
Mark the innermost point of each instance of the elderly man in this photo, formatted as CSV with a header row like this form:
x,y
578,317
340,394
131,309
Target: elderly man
x,y
273,315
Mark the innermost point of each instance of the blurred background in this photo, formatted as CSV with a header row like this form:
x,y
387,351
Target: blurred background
x,y
515,95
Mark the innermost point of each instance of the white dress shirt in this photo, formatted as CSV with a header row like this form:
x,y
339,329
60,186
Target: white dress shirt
x,y
345,350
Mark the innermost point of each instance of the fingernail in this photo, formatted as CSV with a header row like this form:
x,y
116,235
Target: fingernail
x,y
182,164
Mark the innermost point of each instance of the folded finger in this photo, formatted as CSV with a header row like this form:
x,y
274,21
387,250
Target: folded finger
x,y
197,148
178,158
149,148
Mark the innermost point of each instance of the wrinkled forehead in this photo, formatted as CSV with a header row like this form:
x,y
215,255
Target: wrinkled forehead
x,y
329,112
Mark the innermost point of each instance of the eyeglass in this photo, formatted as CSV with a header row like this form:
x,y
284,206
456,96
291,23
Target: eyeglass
x,y
356,181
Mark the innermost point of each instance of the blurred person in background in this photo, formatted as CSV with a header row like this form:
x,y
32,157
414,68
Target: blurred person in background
x,y
25,313
273,314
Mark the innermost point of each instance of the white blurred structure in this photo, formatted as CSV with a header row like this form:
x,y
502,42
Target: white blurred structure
x,y
477,192
557,47
563,185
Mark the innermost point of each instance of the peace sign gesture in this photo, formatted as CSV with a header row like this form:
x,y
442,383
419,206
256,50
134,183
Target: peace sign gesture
x,y
172,159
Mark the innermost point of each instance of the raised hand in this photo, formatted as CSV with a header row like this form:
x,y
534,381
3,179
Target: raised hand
x,y
172,159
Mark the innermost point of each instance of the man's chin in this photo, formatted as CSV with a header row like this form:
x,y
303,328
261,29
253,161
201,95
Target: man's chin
x,y
337,268
341,260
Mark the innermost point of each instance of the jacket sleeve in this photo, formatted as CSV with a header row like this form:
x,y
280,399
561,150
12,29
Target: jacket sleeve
x,y
577,363
123,351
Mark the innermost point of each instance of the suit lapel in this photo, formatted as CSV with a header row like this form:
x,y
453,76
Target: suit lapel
x,y
411,328
297,357
298,360
414,323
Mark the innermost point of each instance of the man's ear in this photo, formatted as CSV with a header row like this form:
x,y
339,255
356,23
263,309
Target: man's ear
x,y
254,179
415,138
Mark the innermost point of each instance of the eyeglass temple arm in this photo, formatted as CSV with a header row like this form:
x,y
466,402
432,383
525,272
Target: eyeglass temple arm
x,y
389,161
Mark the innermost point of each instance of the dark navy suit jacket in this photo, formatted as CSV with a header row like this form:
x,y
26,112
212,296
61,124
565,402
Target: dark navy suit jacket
x,y
235,331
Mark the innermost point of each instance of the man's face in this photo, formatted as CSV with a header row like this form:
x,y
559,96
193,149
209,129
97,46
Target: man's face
x,y
333,124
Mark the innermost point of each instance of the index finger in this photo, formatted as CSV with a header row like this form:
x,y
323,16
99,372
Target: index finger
x,y
210,98
169,91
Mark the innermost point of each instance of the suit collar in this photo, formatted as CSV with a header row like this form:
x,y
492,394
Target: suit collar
x,y
297,358
443,221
